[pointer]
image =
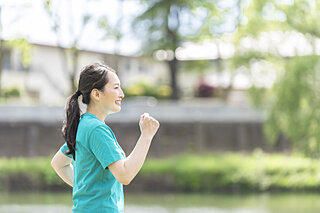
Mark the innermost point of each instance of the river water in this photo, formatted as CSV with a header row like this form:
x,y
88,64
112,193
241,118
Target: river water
x,y
170,203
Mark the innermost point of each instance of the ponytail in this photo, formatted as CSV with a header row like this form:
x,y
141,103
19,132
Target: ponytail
x,y
70,124
93,76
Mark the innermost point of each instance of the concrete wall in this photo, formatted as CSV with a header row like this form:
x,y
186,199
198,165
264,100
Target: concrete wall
x,y
33,136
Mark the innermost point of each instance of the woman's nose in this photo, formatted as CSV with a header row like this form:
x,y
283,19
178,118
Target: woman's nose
x,y
122,94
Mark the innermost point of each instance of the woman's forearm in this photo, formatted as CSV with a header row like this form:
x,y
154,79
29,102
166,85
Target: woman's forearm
x,y
66,173
135,160
63,167
126,169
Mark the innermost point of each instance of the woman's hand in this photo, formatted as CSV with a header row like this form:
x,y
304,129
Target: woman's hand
x,y
148,125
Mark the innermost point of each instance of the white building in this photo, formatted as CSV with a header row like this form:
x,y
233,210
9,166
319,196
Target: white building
x,y
46,81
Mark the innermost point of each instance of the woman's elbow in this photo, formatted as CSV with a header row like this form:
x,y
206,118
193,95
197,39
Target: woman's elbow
x,y
56,164
60,161
125,182
53,164
119,171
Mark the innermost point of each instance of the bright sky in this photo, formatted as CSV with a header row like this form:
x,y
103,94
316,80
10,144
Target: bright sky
x,y
27,18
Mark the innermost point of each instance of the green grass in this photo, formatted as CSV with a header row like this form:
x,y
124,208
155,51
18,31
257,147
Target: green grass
x,y
196,173
255,172
28,174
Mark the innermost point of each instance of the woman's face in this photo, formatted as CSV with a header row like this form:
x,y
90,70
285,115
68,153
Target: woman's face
x,y
112,94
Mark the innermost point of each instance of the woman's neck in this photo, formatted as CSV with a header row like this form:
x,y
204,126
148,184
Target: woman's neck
x,y
98,113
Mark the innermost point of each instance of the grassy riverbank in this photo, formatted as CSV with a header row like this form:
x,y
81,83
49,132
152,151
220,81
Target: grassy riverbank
x,y
205,173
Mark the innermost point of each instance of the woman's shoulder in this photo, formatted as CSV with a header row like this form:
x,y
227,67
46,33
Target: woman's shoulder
x,y
90,125
87,126
88,120
102,129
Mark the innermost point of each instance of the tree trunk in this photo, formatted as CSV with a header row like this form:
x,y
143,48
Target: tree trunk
x,y
75,59
1,63
118,38
173,78
1,51
173,64
64,62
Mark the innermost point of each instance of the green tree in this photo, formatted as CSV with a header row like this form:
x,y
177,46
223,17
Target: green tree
x,y
167,24
22,44
71,49
115,33
294,109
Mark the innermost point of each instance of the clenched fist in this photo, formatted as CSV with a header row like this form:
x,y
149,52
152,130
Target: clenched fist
x,y
148,125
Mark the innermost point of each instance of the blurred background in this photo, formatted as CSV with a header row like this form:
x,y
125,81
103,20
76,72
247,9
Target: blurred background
x,y
235,85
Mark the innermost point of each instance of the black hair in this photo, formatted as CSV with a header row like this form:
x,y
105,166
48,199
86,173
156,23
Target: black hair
x,y
93,76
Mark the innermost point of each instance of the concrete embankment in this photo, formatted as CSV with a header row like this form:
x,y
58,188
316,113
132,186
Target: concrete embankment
x,y
185,127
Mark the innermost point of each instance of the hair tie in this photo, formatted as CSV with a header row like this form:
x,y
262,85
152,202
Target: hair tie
x,y
78,93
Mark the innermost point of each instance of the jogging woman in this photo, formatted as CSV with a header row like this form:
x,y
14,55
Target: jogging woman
x,y
91,160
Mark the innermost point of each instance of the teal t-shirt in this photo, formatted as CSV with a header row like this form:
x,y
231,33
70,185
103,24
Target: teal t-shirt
x,y
95,189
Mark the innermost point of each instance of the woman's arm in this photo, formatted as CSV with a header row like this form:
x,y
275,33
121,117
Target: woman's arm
x,y
63,167
126,169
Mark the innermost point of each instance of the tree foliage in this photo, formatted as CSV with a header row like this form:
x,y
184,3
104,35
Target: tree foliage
x,y
19,43
24,48
69,50
294,109
167,24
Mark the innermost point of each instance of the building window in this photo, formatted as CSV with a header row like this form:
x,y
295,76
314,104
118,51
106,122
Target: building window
x,y
127,66
142,69
6,59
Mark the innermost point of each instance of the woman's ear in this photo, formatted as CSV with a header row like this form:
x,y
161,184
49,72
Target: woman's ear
x,y
95,95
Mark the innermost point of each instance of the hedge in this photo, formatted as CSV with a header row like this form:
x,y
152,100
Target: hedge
x,y
236,172
188,172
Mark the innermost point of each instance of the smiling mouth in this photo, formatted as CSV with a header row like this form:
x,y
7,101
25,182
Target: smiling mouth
x,y
118,102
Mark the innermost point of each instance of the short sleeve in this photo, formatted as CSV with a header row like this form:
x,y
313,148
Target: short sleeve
x,y
65,148
104,146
